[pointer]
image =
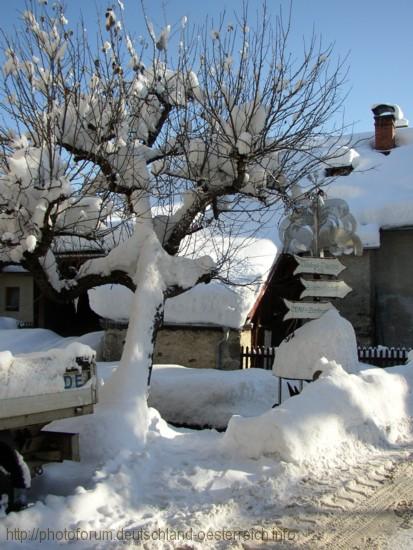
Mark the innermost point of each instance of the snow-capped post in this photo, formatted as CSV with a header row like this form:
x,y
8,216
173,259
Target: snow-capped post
x,y
145,150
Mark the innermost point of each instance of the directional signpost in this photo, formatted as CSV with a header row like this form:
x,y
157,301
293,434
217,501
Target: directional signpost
x,y
324,289
306,310
318,266
317,287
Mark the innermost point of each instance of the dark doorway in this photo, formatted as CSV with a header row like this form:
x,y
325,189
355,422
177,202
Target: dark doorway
x,y
68,319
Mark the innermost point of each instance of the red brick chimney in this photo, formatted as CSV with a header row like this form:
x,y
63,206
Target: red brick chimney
x,y
384,132
384,126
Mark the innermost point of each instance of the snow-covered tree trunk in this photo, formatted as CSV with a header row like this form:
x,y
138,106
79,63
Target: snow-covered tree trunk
x,y
126,392
158,274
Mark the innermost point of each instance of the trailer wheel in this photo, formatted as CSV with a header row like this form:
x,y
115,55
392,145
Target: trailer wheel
x,y
12,476
6,492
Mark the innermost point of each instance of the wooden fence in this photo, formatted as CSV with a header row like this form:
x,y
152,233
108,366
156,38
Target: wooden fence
x,y
263,357
383,357
258,358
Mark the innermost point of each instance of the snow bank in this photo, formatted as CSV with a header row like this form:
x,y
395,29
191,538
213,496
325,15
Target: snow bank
x,y
38,373
8,323
338,410
330,336
28,340
207,397
39,339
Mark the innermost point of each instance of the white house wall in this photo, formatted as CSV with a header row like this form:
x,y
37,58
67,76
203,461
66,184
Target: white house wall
x,y
24,281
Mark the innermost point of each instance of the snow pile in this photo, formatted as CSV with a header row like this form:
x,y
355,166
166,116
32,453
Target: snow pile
x,y
8,323
28,340
339,409
202,480
111,301
40,339
91,339
207,397
38,373
330,336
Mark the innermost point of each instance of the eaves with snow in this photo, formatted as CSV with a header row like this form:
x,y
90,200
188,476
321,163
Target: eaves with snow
x,y
378,186
215,303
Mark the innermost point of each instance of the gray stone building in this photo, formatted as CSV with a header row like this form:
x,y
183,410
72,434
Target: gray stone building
x,y
381,304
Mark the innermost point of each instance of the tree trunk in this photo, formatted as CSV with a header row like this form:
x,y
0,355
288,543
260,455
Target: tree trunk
x,y
125,394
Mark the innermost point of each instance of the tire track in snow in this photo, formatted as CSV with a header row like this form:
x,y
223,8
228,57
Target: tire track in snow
x,y
362,514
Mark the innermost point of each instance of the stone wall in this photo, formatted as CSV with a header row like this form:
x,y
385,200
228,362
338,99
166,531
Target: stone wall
x,y
197,347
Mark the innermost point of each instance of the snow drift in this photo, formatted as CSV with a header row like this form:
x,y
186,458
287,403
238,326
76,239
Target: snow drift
x,y
338,409
209,397
40,339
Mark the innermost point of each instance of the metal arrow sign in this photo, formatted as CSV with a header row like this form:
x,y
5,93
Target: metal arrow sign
x,y
320,266
327,289
306,310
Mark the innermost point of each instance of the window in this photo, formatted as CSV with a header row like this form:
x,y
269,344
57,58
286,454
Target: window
x,y
12,298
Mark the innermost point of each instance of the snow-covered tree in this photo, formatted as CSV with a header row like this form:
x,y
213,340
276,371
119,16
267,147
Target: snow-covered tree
x,y
138,145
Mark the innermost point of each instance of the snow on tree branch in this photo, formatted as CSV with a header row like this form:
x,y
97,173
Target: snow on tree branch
x,y
92,128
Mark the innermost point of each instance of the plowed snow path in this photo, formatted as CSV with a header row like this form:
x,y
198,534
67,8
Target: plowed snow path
x,y
368,511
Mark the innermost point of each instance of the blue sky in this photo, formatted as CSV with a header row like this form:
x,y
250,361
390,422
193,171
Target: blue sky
x,y
376,34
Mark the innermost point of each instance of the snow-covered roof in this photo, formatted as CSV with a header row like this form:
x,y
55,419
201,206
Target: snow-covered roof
x,y
379,190
213,304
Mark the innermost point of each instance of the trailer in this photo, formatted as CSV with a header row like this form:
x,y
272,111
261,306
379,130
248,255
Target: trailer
x,y
25,446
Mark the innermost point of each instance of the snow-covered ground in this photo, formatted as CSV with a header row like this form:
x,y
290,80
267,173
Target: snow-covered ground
x,y
278,475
